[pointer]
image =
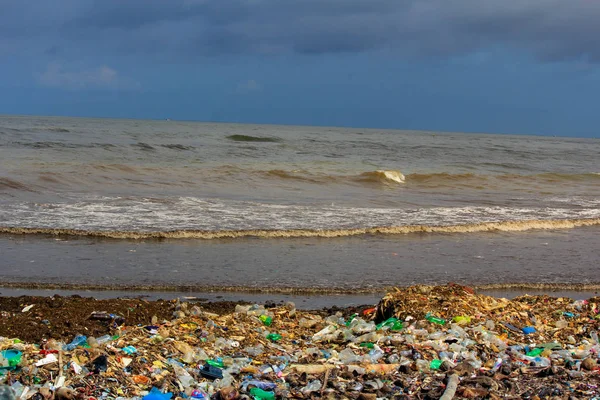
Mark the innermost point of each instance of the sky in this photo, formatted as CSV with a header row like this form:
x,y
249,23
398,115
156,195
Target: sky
x,y
508,66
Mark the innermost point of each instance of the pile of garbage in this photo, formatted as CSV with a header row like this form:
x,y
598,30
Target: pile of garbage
x,y
418,342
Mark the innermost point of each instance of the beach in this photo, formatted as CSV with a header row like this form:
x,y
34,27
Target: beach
x,y
466,345
135,218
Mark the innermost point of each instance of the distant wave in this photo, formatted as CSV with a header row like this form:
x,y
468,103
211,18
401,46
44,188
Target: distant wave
x,y
44,144
175,146
504,226
248,138
143,146
57,129
6,183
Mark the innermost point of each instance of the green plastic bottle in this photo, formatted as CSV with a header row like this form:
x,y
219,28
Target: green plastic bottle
x,y
535,352
435,320
351,319
393,323
215,363
262,394
273,337
266,319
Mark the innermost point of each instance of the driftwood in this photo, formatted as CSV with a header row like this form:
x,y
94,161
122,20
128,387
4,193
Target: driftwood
x,y
450,388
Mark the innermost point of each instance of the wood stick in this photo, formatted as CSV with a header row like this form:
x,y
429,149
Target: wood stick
x,y
325,381
450,388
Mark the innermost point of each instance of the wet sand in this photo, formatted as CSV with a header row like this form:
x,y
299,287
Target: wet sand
x,y
557,260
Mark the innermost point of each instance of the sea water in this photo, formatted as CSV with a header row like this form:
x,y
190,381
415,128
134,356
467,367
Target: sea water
x,y
165,203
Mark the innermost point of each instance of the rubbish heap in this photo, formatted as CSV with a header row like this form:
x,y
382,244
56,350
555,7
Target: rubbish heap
x,y
420,342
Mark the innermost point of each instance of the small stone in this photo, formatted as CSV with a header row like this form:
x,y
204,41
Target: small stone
x,y
367,396
464,368
64,393
588,364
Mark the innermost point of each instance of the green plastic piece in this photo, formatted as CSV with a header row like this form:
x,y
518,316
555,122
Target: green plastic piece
x,y
367,345
273,337
462,318
435,364
12,356
262,394
266,319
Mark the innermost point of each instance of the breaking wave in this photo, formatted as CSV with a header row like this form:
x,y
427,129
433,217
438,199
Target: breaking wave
x,y
503,226
383,176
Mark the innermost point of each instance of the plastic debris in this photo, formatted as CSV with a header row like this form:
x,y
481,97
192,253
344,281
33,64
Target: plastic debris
x,y
419,342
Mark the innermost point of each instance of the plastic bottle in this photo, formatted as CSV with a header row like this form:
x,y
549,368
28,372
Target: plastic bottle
x,y
312,386
255,351
215,363
347,356
351,318
423,365
263,385
435,320
183,376
262,394
79,340
375,354
242,309
393,359
535,352
156,394
323,333
392,324
103,339
359,326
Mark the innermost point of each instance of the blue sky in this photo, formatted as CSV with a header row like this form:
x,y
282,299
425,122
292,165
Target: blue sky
x,y
509,66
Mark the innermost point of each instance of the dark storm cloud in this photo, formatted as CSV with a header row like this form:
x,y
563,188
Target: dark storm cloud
x,y
549,29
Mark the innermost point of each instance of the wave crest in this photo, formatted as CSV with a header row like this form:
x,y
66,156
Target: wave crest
x,y
385,176
10,184
504,226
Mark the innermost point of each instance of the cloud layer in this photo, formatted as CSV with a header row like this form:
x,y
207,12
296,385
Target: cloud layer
x,y
550,30
102,77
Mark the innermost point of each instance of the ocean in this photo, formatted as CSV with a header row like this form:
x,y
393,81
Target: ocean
x,y
101,203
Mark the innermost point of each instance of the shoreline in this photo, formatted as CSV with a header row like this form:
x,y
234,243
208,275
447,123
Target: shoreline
x,y
515,287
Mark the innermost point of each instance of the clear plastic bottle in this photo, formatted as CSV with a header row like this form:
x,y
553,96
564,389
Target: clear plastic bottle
x,y
79,340
375,354
312,386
